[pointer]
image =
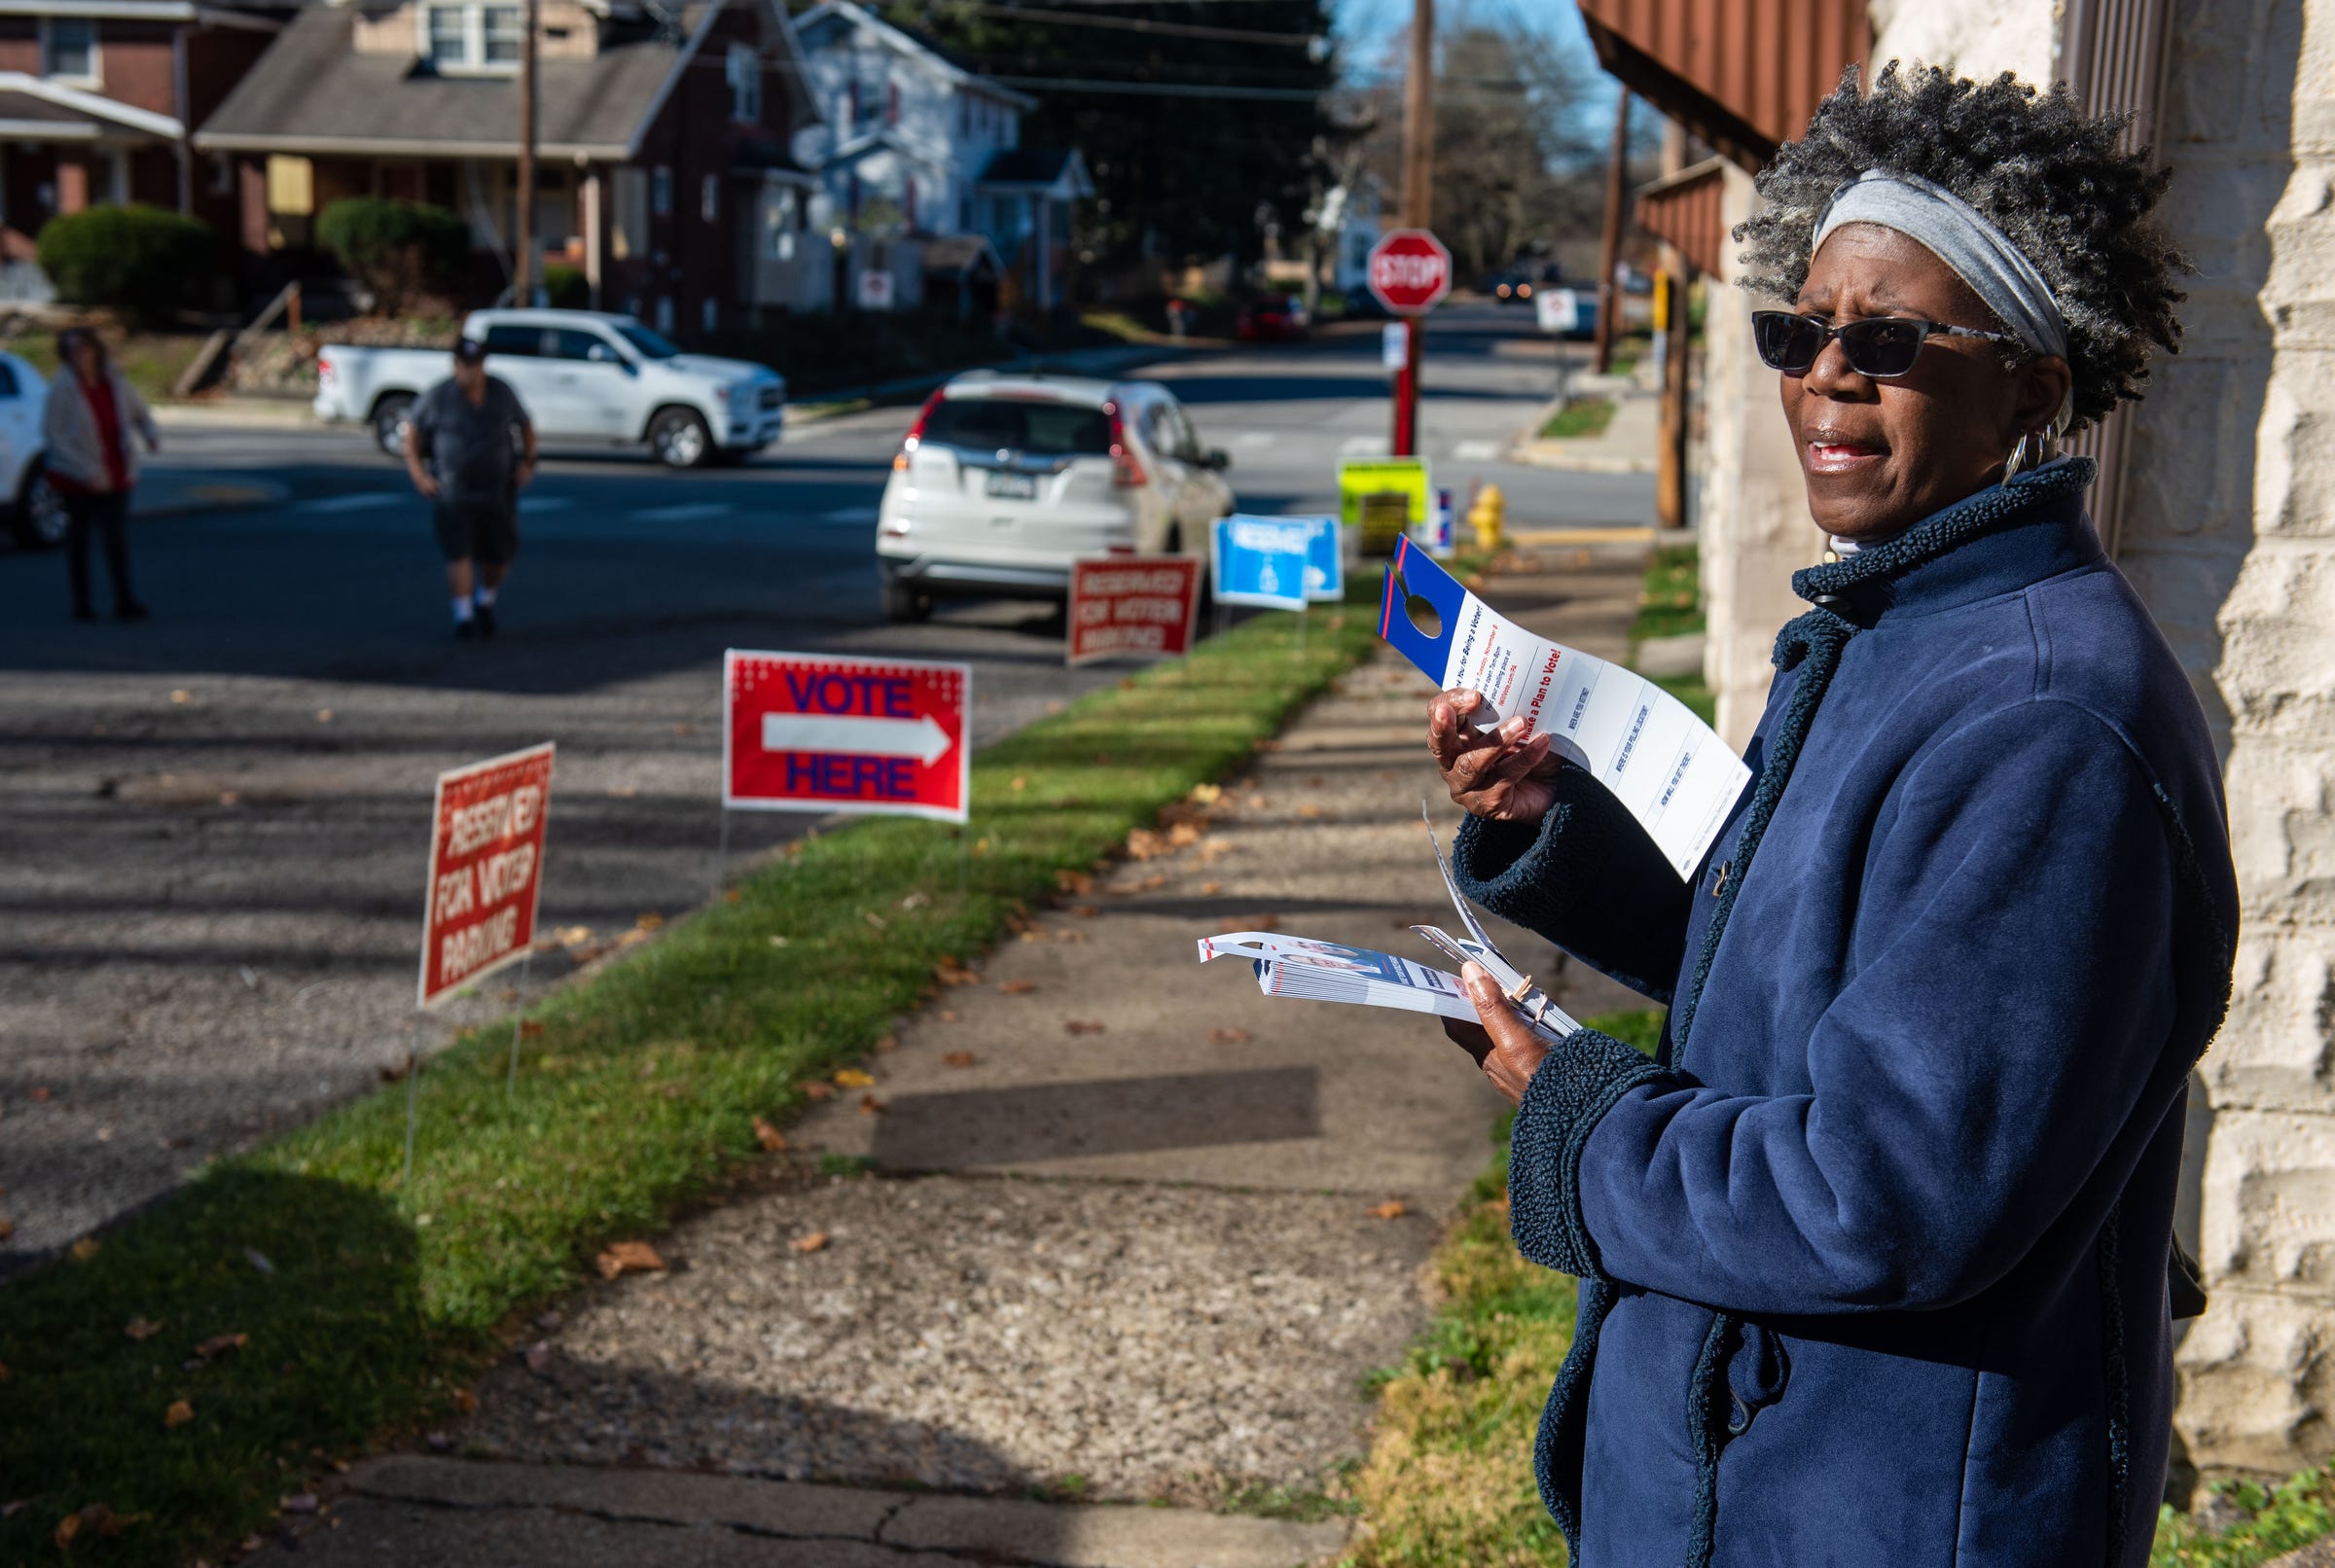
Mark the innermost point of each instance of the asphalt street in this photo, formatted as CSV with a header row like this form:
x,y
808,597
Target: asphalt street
x,y
214,833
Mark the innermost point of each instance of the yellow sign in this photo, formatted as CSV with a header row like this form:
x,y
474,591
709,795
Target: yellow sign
x,y
1381,498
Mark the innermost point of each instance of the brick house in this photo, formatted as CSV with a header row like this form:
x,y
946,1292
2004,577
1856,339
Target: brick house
x,y
664,175
97,100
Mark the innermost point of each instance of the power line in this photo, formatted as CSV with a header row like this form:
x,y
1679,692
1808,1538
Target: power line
x,y
1136,25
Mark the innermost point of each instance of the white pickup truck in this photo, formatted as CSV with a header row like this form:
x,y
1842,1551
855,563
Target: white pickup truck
x,y
582,375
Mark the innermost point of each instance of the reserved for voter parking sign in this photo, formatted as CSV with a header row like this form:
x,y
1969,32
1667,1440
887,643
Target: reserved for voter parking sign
x,y
485,868
1132,606
815,732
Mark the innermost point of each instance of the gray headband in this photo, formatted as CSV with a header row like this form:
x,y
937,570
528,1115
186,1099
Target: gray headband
x,y
1980,253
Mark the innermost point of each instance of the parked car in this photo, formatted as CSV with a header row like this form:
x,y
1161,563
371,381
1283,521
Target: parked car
x,y
1005,479
35,513
1276,318
582,375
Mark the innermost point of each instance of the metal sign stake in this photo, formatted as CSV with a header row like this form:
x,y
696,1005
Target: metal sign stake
x,y
518,1025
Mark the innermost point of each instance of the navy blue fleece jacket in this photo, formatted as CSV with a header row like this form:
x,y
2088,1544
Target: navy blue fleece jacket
x,y
1874,1256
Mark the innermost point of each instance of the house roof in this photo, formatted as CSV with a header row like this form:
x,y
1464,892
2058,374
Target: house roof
x,y
1057,170
312,93
840,12
34,108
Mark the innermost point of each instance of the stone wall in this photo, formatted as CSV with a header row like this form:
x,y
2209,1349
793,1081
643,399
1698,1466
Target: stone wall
x,y
2230,535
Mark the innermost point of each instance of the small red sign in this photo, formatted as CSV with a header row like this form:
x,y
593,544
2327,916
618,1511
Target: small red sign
x,y
815,733
1133,606
485,868
1410,271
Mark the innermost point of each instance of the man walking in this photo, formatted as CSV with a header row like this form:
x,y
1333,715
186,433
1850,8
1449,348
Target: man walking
x,y
470,448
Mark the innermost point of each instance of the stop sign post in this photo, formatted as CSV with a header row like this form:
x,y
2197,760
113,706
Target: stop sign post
x,y
1410,273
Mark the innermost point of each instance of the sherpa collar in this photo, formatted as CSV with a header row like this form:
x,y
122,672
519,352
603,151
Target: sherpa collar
x,y
2029,529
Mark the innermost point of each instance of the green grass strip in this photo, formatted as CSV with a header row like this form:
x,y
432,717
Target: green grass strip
x,y
1669,603
365,1304
1579,418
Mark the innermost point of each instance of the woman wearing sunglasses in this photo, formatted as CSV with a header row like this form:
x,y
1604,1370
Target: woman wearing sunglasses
x,y
1875,1256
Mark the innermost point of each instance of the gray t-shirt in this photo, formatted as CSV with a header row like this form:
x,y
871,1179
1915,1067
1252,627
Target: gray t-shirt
x,y
471,448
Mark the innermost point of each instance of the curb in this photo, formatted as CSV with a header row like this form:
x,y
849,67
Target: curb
x,y
247,413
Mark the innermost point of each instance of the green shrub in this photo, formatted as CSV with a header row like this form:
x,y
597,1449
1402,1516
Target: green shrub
x,y
138,259
566,287
400,250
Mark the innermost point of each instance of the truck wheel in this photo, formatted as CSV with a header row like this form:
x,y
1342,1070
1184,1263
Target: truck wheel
x,y
390,423
679,438
903,605
38,519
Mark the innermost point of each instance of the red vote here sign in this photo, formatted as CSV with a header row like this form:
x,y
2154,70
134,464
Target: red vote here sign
x,y
485,868
815,733
1138,606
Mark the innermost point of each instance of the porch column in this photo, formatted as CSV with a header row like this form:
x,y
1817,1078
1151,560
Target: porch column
x,y
1045,239
588,198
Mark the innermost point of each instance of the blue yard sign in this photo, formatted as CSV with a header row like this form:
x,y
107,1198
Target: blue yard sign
x,y
1261,561
1325,562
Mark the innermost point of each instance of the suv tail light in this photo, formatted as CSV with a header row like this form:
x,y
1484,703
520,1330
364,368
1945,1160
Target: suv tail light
x,y
916,433
1126,468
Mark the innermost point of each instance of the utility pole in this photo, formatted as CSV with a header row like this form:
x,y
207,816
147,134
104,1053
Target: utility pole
x,y
1609,251
1671,341
523,260
1419,206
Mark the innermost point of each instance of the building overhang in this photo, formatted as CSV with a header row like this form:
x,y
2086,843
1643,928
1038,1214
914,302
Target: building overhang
x,y
1688,210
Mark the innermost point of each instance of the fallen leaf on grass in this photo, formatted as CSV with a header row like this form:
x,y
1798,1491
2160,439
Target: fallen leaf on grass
x,y
874,919
179,1413
815,1091
889,1041
1020,988
649,921
733,896
85,1248
870,1105
810,1243
1394,1208
1208,890
629,1256
1069,936
465,1399
529,1028
1143,843
1019,783
1231,1037
852,1078
1070,881
958,1058
1082,1026
141,1329
770,1137
778,941
947,1017
1207,794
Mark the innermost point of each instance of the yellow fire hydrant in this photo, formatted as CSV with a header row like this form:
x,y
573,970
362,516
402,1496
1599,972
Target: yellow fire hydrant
x,y
1485,514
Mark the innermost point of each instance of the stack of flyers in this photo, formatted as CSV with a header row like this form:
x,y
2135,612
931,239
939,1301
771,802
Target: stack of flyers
x,y
1332,972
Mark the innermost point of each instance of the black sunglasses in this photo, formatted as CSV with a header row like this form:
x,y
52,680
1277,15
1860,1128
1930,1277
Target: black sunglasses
x,y
1877,345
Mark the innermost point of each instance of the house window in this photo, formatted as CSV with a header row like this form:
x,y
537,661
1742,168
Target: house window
x,y
629,235
779,226
69,48
661,191
709,197
867,100
745,85
473,37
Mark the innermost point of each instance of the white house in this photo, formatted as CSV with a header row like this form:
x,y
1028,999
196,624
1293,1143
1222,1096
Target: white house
x,y
915,145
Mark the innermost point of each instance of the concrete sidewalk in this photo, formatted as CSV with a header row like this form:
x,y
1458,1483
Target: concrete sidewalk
x,y
1107,1228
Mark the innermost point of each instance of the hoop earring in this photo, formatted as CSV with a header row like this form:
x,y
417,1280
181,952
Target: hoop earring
x,y
2031,451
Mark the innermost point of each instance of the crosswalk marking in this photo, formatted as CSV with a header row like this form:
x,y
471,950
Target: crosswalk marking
x,y
544,503
686,512
857,513
1363,446
361,501
1476,451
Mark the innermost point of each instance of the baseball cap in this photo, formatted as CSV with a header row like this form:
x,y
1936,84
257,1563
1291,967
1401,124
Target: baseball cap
x,y
470,351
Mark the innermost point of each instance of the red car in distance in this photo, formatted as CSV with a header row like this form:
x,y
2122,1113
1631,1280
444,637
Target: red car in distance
x,y
1276,318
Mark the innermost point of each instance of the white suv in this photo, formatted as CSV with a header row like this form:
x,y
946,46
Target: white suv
x,y
1004,481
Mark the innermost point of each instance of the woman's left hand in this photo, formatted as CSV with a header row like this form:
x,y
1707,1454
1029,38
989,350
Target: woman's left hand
x,y
1507,1048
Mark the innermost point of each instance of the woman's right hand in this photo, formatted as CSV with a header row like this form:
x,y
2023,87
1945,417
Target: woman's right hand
x,y
1491,773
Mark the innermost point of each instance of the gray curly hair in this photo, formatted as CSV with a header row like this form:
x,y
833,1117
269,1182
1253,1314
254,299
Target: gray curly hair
x,y
2036,165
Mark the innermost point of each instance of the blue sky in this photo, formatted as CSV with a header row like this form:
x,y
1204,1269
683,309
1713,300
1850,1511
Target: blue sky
x,y
1366,28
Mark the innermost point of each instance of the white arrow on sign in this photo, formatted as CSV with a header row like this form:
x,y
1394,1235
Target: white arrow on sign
x,y
921,738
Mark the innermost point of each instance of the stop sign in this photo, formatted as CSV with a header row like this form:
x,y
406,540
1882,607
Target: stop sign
x,y
1410,271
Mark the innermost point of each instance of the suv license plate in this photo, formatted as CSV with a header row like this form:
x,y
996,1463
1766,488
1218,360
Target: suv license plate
x,y
1013,486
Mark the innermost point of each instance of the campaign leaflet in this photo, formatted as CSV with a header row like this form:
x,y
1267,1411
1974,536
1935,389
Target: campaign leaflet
x,y
1333,971
1667,767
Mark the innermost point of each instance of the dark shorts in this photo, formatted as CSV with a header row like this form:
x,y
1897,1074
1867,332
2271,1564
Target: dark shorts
x,y
482,531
